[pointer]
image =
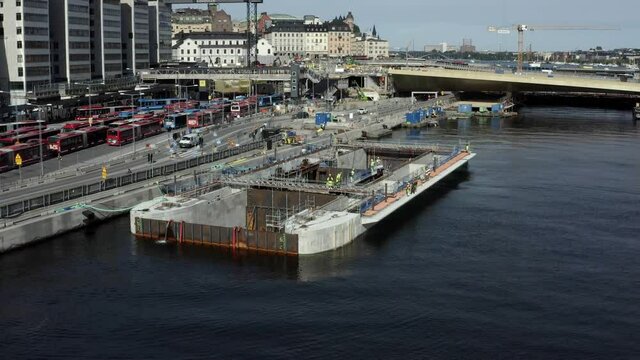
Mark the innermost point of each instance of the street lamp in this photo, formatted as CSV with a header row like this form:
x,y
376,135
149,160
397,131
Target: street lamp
x,y
135,130
40,136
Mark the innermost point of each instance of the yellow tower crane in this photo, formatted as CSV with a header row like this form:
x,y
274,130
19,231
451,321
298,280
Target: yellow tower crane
x,y
521,28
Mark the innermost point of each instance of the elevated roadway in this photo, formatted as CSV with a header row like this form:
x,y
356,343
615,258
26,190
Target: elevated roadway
x,y
437,79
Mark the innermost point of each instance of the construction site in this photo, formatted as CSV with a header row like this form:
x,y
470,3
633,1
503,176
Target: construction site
x,y
317,200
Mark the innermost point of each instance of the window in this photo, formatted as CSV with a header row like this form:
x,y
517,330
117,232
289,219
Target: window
x,y
231,50
20,71
18,30
18,3
18,16
182,51
19,44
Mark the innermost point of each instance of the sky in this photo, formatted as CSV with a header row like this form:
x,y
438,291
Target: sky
x,y
415,23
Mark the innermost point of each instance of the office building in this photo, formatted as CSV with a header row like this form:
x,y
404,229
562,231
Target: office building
x,y
106,39
135,35
24,49
159,32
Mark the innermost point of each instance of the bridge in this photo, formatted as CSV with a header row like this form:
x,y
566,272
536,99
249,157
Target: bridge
x,y
178,74
440,79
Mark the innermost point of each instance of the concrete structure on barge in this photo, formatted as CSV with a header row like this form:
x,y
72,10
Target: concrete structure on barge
x,y
299,207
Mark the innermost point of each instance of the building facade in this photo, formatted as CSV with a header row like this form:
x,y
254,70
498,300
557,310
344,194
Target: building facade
x,y
369,46
339,39
106,39
224,49
159,32
316,40
287,38
71,41
135,35
24,49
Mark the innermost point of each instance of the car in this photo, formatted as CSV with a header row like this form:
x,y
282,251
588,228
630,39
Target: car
x,y
362,111
189,140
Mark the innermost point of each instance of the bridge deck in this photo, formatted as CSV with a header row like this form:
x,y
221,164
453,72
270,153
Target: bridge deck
x,y
434,79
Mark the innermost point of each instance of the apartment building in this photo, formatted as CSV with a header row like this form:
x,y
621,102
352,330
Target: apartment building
x,y
24,49
69,27
287,38
339,39
316,40
370,46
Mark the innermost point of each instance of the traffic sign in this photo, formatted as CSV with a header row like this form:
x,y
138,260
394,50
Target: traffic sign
x,y
104,172
18,160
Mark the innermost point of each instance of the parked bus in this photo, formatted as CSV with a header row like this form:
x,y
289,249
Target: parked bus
x,y
240,108
141,129
33,135
71,141
204,118
19,131
181,106
270,100
97,111
29,152
6,127
175,121
74,125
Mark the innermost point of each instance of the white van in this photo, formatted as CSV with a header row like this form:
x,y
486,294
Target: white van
x,y
188,141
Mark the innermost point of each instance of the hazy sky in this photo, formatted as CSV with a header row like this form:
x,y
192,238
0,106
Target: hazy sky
x,y
419,22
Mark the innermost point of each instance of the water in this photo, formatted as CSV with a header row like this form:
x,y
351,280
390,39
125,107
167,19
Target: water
x,y
532,253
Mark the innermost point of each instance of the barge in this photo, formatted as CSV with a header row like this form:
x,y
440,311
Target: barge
x,y
307,205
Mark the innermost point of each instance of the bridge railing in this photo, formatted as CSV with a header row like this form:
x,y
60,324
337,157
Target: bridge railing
x,y
507,71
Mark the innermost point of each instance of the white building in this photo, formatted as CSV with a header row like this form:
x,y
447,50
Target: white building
x,y
106,40
225,49
369,46
287,38
316,40
24,49
265,52
159,32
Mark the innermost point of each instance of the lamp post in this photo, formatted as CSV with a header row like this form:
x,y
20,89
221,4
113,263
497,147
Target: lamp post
x,y
41,128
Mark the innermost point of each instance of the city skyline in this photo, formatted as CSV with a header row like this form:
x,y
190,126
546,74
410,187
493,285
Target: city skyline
x,y
414,24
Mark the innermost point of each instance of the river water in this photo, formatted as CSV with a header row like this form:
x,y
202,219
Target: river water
x,y
534,252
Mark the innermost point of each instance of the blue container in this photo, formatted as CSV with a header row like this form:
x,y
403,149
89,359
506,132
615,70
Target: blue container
x,y
464,108
495,108
322,118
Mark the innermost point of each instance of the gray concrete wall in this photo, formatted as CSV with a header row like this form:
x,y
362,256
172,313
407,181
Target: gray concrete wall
x,y
353,160
60,220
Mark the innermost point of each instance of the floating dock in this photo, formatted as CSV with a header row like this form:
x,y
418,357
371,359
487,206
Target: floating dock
x,y
307,205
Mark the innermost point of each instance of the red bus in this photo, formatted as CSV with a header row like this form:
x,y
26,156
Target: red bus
x,y
97,111
106,121
70,126
178,106
140,129
6,127
240,108
204,118
29,152
32,135
19,131
76,140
